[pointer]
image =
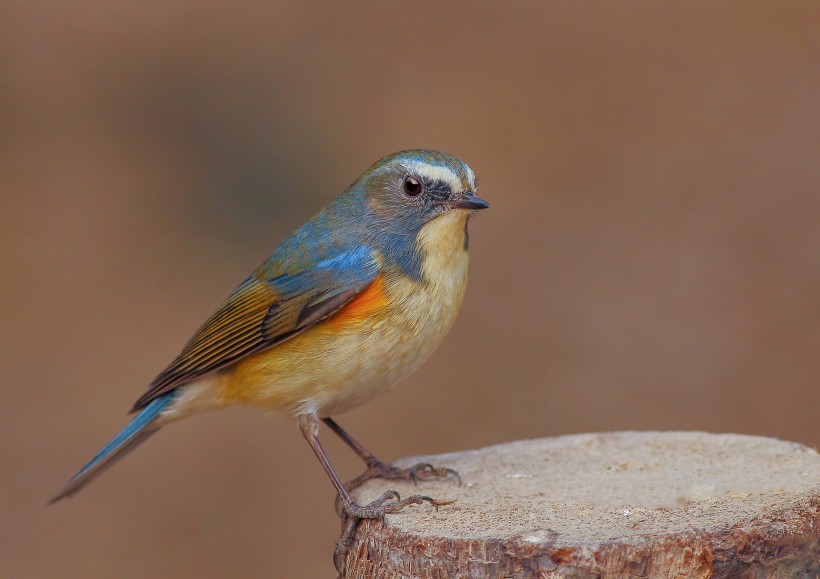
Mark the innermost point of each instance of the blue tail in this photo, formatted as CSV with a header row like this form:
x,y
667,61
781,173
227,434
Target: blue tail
x,y
137,432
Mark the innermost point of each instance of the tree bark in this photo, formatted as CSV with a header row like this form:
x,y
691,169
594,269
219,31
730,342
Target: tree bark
x,y
624,504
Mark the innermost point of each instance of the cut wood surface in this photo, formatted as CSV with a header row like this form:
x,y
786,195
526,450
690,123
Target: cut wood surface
x,y
623,504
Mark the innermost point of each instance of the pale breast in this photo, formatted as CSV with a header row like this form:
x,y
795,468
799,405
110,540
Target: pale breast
x,y
421,314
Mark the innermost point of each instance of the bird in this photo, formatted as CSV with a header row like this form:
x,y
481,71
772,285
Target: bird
x,y
346,307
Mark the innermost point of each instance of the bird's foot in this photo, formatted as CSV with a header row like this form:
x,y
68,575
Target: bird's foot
x,y
381,506
344,543
419,472
352,514
390,502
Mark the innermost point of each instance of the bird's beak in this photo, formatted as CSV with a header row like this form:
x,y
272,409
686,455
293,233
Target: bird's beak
x,y
470,201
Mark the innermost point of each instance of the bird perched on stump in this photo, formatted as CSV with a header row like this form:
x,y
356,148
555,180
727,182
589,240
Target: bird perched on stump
x,y
348,305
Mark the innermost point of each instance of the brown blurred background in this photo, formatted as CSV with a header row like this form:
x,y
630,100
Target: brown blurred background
x,y
650,260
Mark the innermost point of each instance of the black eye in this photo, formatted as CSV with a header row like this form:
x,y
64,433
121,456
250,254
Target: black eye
x,y
411,186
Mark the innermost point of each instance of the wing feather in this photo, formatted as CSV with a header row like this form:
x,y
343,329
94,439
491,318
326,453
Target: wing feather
x,y
262,312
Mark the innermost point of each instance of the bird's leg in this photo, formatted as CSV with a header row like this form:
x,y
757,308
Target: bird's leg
x,y
389,502
377,469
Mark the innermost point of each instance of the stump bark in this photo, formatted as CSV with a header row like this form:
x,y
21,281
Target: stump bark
x,y
624,504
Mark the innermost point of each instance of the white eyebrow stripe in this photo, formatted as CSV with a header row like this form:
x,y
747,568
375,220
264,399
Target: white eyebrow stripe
x,y
438,173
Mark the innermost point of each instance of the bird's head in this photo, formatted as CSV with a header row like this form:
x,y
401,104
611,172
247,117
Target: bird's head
x,y
409,189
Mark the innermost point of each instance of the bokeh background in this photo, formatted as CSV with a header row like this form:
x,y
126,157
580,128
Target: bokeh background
x,y
651,259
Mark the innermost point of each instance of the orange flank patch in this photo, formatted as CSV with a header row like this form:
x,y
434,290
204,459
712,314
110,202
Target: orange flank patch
x,y
361,307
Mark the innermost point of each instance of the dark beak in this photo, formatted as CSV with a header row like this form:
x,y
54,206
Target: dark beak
x,y
470,201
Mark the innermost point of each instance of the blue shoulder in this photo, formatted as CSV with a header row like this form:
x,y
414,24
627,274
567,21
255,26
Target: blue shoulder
x,y
349,269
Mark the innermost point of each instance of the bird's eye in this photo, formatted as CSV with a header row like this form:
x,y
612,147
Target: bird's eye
x,y
411,186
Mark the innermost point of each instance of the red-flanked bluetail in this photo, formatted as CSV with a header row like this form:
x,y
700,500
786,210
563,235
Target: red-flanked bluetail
x,y
348,305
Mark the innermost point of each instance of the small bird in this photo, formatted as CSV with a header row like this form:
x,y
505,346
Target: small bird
x,y
349,304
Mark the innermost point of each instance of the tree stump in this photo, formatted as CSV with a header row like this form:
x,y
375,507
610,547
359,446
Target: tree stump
x,y
623,504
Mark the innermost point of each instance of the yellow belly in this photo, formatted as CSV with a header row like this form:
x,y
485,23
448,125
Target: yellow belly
x,y
345,361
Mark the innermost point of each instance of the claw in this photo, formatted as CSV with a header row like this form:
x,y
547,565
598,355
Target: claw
x,y
426,471
420,472
343,544
386,497
381,506
353,513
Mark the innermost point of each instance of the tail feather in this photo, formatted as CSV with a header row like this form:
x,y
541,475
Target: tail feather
x,y
138,431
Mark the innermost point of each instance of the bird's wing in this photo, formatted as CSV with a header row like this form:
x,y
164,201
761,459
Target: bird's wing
x,y
263,312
